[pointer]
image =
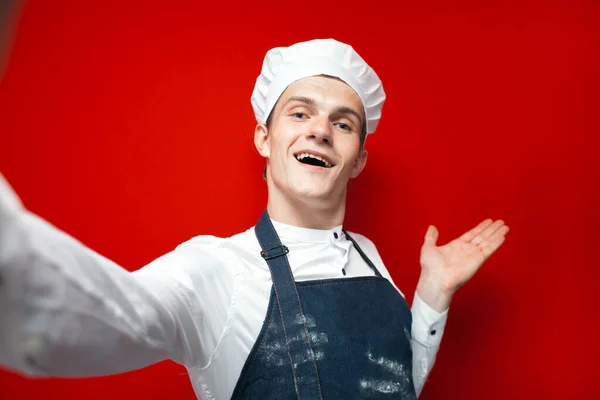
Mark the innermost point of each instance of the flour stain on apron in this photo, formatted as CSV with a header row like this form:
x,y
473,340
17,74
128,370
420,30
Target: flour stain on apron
x,y
399,382
277,354
308,320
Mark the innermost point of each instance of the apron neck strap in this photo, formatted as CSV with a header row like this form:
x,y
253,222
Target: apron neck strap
x,y
363,255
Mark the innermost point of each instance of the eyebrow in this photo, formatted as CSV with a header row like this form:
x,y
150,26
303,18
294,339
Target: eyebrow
x,y
338,110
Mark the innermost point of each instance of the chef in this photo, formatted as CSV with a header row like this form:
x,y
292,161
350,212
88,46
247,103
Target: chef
x,y
295,307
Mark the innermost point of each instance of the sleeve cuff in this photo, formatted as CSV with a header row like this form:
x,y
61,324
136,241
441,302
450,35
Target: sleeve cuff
x,y
427,325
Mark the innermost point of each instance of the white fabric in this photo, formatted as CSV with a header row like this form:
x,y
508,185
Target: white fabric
x,y
67,311
284,65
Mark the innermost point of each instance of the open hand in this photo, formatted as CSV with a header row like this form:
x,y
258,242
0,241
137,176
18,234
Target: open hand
x,y
450,266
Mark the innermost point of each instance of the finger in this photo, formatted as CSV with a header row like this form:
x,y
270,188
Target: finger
x,y
488,232
502,231
467,237
491,246
431,235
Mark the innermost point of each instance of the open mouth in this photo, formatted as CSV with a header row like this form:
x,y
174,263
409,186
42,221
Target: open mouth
x,y
312,159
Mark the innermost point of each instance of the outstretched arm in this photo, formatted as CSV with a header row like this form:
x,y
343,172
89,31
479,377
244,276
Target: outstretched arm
x,y
68,311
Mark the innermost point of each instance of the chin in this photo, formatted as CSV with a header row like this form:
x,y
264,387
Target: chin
x,y
299,188
313,192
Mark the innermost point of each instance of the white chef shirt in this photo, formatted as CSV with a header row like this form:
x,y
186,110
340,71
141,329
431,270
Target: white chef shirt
x,y
68,311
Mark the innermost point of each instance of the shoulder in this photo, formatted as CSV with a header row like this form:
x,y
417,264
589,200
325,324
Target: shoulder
x,y
210,249
203,258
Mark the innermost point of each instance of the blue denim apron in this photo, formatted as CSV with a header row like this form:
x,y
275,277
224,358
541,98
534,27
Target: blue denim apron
x,y
344,338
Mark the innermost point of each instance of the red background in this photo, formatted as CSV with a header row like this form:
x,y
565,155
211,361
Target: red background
x,y
129,125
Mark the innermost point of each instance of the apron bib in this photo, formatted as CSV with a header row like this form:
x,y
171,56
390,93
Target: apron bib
x,y
346,338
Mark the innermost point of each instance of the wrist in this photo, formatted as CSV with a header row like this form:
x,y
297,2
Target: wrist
x,y
434,293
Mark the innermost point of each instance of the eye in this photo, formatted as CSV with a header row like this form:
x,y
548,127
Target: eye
x,y
299,115
344,126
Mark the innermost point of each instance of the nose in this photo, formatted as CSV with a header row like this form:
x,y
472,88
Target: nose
x,y
321,130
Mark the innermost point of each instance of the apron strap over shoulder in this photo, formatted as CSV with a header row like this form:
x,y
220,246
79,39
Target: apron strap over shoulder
x,y
306,375
274,252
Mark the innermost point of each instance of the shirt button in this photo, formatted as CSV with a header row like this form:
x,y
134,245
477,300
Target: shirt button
x,y
433,332
335,235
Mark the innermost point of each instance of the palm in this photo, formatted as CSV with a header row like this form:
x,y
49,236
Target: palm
x,y
455,263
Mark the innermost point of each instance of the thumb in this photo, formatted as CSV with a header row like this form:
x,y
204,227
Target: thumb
x,y
431,236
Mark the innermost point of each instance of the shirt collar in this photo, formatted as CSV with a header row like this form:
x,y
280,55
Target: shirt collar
x,y
307,235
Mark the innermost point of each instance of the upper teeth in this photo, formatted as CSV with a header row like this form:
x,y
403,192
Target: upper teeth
x,y
301,156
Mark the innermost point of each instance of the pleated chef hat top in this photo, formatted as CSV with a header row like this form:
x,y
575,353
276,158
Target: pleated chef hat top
x,y
284,65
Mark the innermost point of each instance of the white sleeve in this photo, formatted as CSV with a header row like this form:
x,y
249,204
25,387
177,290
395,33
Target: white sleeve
x,y
427,331
68,311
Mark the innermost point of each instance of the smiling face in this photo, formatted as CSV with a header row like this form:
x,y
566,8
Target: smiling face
x,y
313,144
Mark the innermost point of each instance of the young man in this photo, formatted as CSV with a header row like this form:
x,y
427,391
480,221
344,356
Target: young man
x,y
294,307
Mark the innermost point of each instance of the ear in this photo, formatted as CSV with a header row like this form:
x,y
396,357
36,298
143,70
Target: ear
x,y
261,140
360,163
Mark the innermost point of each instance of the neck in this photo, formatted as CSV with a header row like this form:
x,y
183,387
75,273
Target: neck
x,y
311,213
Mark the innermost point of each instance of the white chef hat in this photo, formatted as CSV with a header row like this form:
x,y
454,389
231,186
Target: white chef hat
x,y
284,65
